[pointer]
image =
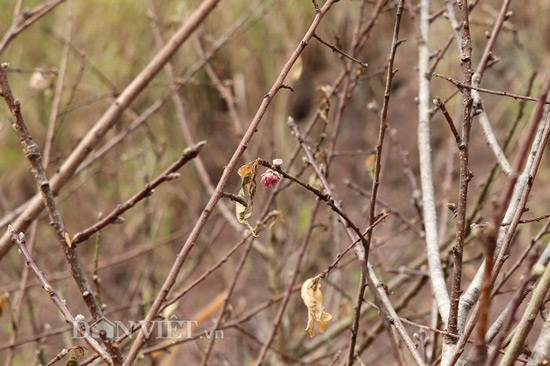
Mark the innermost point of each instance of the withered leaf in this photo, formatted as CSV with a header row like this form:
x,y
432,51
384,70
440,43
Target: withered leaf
x,y
313,299
248,174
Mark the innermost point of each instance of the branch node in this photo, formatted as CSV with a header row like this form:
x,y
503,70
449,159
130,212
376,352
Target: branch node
x,y
316,6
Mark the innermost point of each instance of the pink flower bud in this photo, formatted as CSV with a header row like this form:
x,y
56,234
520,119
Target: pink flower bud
x,y
270,178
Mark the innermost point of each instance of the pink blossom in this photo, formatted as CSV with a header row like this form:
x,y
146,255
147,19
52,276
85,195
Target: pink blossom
x,y
270,178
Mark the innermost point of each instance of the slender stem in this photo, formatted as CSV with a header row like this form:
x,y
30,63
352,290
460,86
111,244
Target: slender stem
x,y
465,174
20,240
479,354
462,85
21,23
18,302
439,103
228,294
364,254
59,85
337,50
510,311
168,175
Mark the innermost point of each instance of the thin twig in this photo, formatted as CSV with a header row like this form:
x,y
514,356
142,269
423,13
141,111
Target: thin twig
x,y
399,214
235,198
225,92
509,312
440,55
341,255
168,175
490,135
364,255
337,50
450,10
228,294
439,103
462,86
59,85
23,21
18,303
20,240
465,174
515,347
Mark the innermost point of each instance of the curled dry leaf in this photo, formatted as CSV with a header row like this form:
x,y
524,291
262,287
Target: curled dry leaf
x,y
313,299
248,174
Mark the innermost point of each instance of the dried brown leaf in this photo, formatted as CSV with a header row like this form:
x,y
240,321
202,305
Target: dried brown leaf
x,y
313,299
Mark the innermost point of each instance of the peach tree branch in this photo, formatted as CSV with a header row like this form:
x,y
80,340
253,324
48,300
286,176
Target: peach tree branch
x,y
19,239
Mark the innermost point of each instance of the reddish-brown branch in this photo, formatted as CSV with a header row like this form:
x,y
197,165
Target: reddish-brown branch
x,y
337,50
479,353
465,174
35,159
376,179
168,175
23,20
19,239
439,103
461,86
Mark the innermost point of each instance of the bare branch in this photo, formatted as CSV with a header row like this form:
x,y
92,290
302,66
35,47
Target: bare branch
x,y
168,175
20,240
437,278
